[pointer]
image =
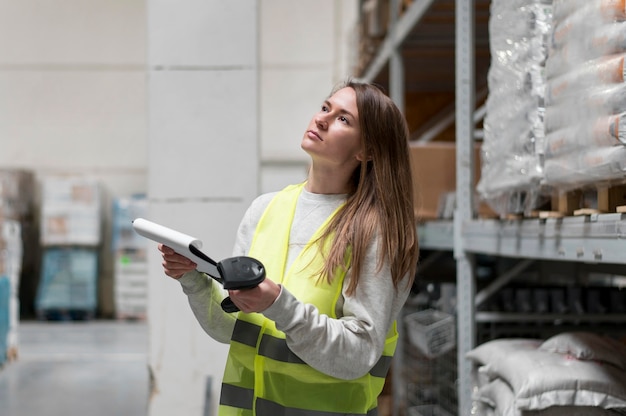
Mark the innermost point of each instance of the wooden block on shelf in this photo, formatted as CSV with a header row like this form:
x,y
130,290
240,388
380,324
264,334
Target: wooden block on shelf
x,y
602,199
586,211
610,198
550,214
566,202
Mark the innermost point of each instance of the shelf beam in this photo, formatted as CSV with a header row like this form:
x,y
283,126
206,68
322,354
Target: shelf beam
x,y
595,239
598,238
485,317
436,235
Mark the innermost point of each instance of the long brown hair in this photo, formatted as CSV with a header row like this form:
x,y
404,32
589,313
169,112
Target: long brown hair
x,y
380,202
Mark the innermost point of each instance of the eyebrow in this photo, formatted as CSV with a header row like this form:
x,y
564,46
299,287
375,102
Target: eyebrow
x,y
342,111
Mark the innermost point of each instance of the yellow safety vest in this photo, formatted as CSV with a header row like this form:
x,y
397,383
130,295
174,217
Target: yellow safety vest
x,y
263,377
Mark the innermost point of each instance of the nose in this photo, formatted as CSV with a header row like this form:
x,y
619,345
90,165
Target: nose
x,y
321,122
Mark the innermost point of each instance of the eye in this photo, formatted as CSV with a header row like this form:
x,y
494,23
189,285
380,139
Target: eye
x,y
324,108
344,120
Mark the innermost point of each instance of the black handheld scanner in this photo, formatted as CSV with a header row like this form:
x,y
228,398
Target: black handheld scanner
x,y
239,273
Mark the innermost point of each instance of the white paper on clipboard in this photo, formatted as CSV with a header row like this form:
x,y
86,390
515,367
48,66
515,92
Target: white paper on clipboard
x,y
181,243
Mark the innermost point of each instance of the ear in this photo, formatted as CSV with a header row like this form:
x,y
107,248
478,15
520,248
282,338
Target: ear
x,y
361,157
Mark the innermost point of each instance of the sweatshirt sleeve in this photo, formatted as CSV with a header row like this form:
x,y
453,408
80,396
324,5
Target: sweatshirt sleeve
x,y
347,347
205,296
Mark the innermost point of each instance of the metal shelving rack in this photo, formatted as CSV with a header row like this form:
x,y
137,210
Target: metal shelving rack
x,y
592,239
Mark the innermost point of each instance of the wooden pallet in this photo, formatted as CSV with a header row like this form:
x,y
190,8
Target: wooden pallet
x,y
600,200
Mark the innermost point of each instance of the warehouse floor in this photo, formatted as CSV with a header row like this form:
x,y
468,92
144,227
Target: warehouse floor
x,y
93,368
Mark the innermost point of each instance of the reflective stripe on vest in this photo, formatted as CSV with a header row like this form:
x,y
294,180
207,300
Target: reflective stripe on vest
x,y
277,349
236,395
263,377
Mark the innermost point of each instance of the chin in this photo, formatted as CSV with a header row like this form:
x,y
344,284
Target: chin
x,y
305,144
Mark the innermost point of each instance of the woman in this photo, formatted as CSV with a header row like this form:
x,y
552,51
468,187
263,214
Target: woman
x,y
316,337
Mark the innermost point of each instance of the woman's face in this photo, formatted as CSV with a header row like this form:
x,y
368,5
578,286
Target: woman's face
x,y
333,135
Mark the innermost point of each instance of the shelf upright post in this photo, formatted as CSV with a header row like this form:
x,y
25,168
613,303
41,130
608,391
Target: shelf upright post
x,y
466,286
396,65
396,92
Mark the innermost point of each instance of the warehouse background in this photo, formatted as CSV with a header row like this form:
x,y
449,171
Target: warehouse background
x,y
184,112
200,105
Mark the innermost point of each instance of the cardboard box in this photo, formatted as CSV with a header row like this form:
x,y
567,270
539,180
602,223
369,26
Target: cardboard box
x,y
433,166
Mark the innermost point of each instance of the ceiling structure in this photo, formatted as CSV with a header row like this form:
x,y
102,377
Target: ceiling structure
x,y
425,37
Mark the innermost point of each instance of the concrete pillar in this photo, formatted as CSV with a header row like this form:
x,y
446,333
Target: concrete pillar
x,y
202,173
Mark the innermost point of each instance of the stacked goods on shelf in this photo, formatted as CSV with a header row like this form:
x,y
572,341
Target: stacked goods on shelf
x,y
16,228
586,95
71,218
569,374
130,257
513,125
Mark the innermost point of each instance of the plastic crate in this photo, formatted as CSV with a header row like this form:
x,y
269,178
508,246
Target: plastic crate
x,y
431,331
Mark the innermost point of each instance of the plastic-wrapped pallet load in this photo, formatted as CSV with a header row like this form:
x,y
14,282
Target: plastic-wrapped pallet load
x,y
71,211
513,125
130,256
10,269
5,289
17,254
17,188
71,234
586,94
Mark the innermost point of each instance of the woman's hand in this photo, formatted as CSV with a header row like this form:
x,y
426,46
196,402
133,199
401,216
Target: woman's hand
x,y
175,265
256,299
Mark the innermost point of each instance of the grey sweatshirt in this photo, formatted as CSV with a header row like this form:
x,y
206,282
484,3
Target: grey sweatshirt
x,y
346,347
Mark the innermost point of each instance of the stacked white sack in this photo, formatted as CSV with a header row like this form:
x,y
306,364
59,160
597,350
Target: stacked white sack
x,y
586,94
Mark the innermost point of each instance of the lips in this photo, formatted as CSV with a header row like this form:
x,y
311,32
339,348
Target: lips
x,y
314,135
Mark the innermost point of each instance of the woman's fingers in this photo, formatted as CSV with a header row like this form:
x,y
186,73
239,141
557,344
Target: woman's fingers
x,y
174,264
